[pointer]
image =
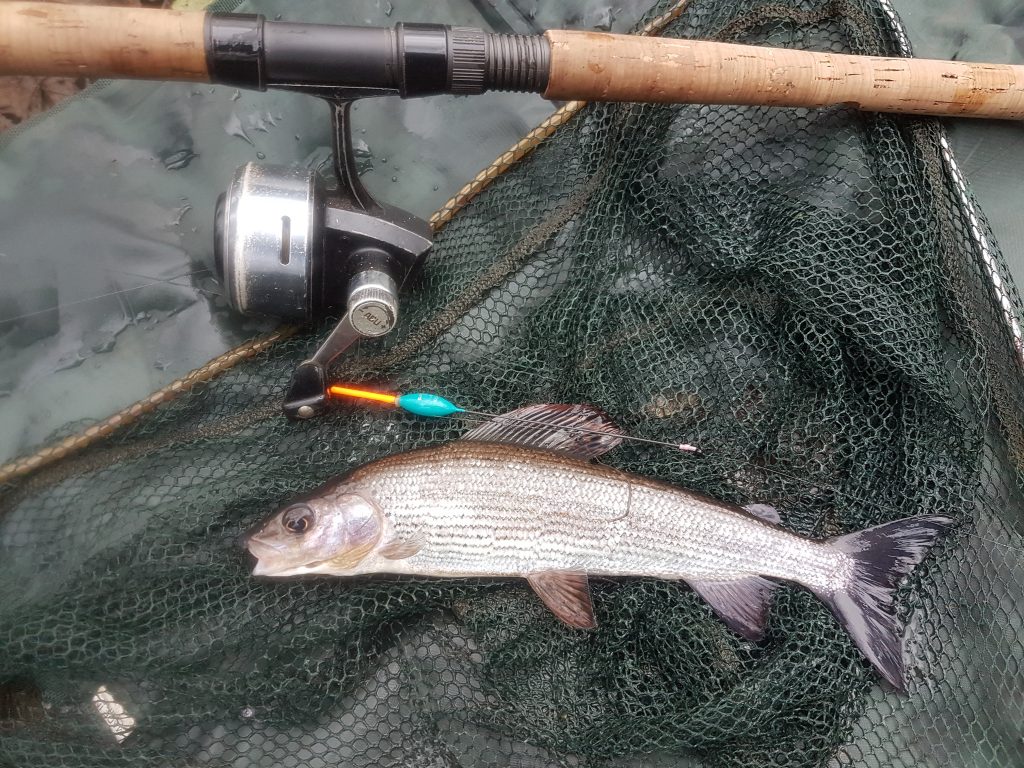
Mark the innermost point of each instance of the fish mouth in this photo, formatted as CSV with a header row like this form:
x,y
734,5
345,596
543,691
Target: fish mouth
x,y
264,553
262,569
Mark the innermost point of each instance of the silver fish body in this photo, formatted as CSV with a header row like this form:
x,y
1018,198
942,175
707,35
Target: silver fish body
x,y
488,509
519,497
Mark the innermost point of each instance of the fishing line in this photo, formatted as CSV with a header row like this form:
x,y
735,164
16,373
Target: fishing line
x,y
166,281
435,406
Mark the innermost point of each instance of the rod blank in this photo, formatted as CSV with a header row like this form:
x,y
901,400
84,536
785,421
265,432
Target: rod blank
x,y
95,41
593,66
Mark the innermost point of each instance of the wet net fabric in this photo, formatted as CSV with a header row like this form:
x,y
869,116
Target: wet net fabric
x,y
806,295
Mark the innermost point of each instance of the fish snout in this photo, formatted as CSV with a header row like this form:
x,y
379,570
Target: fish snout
x,y
245,538
242,540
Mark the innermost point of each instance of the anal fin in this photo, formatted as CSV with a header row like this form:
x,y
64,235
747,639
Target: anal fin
x,y
741,603
567,595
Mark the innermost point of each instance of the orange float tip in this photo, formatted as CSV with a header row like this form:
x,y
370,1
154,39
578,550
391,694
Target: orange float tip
x,y
362,394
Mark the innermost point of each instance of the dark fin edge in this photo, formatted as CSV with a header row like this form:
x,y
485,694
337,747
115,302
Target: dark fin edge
x,y
882,556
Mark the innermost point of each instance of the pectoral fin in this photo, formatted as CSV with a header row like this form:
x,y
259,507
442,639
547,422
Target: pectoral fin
x,y
399,549
742,604
567,595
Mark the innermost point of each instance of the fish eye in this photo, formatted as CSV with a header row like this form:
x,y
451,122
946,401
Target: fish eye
x,y
297,519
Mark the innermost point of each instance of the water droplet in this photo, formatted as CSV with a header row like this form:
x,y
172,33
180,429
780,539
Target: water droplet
x,y
436,187
363,156
297,137
278,17
388,8
260,122
233,127
248,713
104,345
236,95
181,215
178,159
68,362
384,160
260,156
394,178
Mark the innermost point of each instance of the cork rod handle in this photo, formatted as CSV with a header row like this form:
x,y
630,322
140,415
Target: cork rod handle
x,y
95,41
603,67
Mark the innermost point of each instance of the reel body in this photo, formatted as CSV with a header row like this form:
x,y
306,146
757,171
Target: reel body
x,y
301,245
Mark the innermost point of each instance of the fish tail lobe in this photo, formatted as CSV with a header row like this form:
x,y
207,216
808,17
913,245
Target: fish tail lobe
x,y
882,555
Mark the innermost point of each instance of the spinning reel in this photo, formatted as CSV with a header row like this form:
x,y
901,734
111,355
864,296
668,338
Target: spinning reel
x,y
299,245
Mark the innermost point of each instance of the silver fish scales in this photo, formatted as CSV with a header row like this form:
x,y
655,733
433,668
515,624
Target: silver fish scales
x,y
526,500
487,509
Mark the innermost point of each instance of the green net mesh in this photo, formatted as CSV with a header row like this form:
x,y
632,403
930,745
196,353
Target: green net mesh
x,y
807,295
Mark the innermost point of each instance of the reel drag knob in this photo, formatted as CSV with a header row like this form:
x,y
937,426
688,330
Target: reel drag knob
x,y
373,302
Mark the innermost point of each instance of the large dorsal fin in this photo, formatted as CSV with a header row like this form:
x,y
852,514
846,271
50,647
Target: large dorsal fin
x,y
581,430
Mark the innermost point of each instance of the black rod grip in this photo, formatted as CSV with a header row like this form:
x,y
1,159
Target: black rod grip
x,y
411,60
324,55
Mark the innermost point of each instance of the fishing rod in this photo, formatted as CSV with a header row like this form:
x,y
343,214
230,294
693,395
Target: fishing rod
x,y
248,51
300,245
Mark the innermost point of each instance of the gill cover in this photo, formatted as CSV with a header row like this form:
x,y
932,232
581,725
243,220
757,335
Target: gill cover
x,y
362,526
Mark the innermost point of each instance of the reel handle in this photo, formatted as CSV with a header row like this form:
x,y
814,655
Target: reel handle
x,y
332,61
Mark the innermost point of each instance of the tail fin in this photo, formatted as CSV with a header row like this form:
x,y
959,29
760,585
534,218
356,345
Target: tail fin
x,y
882,555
